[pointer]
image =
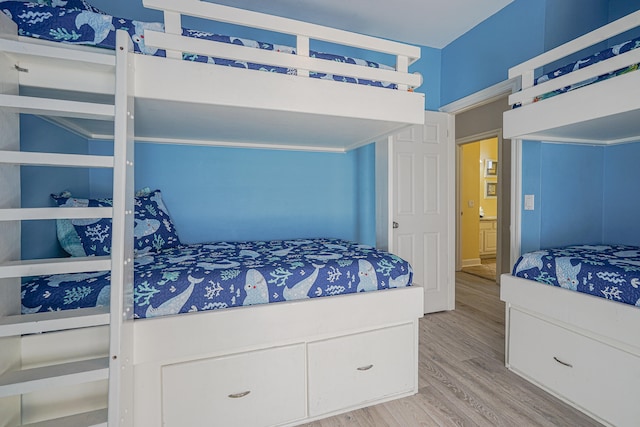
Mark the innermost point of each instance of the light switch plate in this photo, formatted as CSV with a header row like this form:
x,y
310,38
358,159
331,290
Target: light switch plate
x,y
529,202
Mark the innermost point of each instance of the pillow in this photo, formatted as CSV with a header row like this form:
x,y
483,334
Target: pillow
x,y
153,229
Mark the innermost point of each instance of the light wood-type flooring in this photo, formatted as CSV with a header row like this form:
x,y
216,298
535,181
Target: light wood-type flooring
x,y
463,381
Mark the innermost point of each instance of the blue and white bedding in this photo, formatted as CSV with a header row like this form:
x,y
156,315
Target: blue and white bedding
x,y
606,271
190,278
585,62
76,22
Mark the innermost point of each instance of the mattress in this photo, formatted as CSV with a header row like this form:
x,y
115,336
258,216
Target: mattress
x,y
87,25
606,271
189,278
585,62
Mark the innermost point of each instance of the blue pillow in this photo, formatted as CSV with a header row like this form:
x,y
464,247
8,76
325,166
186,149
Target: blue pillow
x,y
153,229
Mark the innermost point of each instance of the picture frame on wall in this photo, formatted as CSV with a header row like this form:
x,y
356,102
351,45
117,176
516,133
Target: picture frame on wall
x,y
490,189
490,168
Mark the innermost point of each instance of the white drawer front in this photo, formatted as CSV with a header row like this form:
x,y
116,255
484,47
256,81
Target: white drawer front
x,y
350,370
601,379
213,392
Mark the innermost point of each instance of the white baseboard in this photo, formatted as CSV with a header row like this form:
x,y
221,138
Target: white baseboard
x,y
471,262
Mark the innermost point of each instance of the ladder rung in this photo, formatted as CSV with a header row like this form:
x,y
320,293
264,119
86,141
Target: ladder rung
x,y
88,419
41,267
23,324
57,107
55,159
19,214
23,381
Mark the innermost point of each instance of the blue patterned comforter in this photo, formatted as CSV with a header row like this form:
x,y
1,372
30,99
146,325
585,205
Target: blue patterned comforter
x,y
606,271
585,62
85,25
219,275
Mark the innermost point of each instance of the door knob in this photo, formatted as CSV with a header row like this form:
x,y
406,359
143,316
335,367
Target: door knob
x,y
395,224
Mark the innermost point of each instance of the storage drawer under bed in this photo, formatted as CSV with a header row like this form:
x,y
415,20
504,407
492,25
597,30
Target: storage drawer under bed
x,y
260,388
598,378
351,370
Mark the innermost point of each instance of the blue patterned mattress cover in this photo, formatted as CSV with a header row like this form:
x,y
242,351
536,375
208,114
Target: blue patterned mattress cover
x,y
586,62
86,25
190,278
606,271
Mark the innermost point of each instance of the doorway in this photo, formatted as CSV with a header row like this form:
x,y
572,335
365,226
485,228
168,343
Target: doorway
x,y
476,119
478,206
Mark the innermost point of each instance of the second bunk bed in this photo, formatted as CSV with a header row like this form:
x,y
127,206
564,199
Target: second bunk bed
x,y
262,352
573,312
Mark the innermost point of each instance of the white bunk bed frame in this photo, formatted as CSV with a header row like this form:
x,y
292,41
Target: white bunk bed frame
x,y
182,370
602,113
556,338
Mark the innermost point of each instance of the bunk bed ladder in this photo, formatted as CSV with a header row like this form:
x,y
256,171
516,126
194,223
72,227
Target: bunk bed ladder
x,y
116,367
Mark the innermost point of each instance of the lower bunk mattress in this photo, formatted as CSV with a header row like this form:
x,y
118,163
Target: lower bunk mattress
x,y
606,271
199,277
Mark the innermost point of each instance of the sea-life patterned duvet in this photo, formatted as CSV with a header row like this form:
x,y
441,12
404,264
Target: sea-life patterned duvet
x,y
606,271
190,278
76,22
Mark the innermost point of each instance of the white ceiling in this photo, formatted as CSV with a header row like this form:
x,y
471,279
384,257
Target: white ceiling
x,y
433,23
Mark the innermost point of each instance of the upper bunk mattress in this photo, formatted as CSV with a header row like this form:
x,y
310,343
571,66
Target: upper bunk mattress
x,y
606,271
201,277
86,25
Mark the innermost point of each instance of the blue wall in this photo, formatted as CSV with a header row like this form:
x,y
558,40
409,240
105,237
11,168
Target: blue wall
x,y
571,184
482,57
38,183
622,197
584,194
217,193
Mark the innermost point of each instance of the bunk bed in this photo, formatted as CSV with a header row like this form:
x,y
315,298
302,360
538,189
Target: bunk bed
x,y
267,364
574,115
573,313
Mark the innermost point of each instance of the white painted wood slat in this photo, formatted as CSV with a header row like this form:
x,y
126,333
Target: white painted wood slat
x,y
39,267
53,321
96,418
603,67
20,214
248,18
57,107
28,380
55,159
250,54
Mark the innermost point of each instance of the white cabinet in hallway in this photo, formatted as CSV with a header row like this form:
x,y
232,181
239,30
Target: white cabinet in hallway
x,y
488,237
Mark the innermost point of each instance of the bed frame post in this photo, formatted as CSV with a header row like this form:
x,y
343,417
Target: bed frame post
x,y
10,347
121,326
173,25
302,49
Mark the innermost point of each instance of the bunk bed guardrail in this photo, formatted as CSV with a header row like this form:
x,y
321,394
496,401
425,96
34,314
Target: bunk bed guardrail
x,y
526,70
175,44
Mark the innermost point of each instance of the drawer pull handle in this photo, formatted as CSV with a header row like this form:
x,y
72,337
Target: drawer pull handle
x,y
239,395
365,368
562,363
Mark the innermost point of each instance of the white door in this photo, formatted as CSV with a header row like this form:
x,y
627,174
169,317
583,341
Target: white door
x,y
422,211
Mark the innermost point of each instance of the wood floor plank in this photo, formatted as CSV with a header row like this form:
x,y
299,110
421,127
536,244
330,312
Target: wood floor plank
x,y
462,378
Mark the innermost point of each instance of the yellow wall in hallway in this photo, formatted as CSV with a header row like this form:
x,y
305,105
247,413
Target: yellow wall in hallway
x,y
469,222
